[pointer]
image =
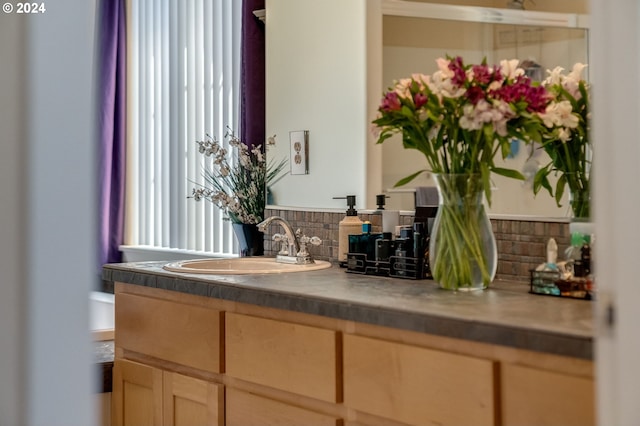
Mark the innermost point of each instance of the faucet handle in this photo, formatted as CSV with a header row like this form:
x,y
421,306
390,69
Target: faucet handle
x,y
316,241
284,243
304,240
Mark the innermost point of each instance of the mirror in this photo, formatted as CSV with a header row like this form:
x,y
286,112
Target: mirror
x,y
411,44
330,83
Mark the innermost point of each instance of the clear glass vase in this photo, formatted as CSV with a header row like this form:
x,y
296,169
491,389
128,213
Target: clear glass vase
x,y
462,252
580,201
579,195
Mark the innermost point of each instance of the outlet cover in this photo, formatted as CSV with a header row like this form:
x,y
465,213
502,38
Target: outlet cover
x,y
299,158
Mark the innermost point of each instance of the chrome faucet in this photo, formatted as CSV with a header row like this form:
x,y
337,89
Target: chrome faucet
x,y
294,245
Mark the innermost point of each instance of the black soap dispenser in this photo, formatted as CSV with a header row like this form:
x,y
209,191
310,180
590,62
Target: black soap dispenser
x,y
350,225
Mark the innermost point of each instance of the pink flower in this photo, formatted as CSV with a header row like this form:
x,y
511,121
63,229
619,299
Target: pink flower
x,y
482,74
475,94
419,99
391,102
535,97
459,74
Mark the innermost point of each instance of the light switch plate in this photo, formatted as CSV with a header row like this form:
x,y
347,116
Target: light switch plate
x,y
299,158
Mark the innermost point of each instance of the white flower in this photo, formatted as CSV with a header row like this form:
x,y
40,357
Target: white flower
x,y
402,88
376,130
422,80
576,71
433,131
509,69
495,85
564,134
244,159
470,119
443,86
497,114
560,114
555,76
233,175
257,152
571,83
443,67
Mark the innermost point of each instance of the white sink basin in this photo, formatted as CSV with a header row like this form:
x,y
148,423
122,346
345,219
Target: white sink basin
x,y
242,266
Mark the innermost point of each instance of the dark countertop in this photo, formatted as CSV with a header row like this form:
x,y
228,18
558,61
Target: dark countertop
x,y
505,314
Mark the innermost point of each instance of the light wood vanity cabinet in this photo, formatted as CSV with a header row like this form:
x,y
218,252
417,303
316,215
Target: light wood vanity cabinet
x,y
168,358
183,359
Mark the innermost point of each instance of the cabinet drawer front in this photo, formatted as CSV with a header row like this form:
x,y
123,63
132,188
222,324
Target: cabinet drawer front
x,y
535,397
286,356
417,385
176,332
245,409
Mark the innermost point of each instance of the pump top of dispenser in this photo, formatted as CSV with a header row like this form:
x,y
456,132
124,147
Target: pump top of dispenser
x,y
380,201
351,202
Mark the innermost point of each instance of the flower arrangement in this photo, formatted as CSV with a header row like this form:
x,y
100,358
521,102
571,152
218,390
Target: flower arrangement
x,y
238,183
460,118
567,139
463,115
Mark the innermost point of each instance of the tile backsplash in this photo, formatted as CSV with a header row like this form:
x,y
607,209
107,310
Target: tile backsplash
x,y
521,243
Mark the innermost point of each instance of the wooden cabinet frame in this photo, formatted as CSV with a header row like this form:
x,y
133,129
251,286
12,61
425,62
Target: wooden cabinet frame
x,y
237,337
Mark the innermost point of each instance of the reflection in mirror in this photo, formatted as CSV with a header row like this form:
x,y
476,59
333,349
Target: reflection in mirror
x,y
331,82
412,45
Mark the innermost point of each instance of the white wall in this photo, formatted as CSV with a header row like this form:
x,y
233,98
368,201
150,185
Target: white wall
x,y
616,126
47,255
316,61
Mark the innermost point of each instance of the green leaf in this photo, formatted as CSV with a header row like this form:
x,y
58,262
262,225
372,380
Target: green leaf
x,y
562,181
505,148
540,180
510,173
486,181
405,110
409,178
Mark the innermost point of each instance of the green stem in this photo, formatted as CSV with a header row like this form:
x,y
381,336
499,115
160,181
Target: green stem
x,y
458,241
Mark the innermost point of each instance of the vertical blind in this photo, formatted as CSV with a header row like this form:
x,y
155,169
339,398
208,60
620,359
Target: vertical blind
x,y
183,83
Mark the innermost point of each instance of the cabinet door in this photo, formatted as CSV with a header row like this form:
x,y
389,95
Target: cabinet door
x,y
542,398
137,394
189,401
245,409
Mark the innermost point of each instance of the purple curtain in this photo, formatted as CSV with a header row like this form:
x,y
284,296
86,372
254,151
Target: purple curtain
x,y
112,130
252,78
